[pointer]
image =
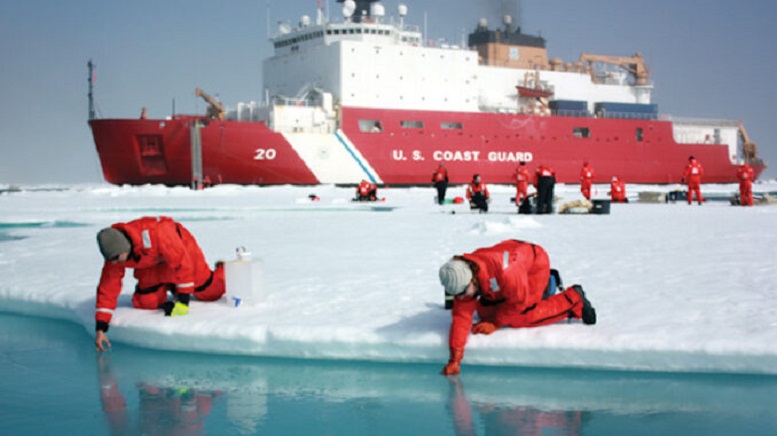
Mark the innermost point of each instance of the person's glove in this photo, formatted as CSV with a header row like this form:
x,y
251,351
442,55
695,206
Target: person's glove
x,y
454,362
175,309
180,309
484,328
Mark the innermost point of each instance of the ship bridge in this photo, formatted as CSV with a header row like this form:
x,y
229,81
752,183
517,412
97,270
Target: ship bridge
x,y
363,21
369,59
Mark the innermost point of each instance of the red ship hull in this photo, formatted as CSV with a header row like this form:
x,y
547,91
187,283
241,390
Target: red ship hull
x,y
159,151
138,152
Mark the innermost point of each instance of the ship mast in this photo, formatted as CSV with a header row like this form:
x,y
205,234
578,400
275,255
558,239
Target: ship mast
x,y
91,84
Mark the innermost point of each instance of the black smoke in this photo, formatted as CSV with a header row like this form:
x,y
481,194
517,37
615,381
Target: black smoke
x,y
495,10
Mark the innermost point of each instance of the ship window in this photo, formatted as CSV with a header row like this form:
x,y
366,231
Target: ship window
x,y
640,134
412,124
370,126
581,132
451,126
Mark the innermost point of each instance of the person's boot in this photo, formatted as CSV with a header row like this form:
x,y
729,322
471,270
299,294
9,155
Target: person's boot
x,y
589,313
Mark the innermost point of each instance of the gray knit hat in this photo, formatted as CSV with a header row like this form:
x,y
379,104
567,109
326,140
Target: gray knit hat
x,y
455,276
112,243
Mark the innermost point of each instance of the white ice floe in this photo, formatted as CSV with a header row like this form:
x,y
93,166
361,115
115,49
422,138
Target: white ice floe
x,y
676,287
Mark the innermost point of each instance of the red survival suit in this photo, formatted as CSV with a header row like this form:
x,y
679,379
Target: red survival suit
x,y
477,188
440,174
521,177
478,195
587,175
513,276
618,191
165,256
745,175
440,181
367,191
692,175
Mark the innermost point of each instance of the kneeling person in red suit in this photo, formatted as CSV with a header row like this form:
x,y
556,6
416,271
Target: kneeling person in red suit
x,y
506,286
165,258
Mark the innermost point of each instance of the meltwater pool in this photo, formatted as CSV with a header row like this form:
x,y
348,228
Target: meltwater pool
x,y
53,382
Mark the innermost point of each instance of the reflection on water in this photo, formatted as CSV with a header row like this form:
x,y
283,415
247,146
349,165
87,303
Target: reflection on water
x,y
53,381
160,409
510,419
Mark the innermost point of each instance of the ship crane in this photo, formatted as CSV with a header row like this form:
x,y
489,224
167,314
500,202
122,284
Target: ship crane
x,y
750,149
634,65
215,108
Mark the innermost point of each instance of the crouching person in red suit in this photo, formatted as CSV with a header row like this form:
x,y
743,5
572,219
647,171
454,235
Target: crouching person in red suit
x,y
618,190
165,258
505,284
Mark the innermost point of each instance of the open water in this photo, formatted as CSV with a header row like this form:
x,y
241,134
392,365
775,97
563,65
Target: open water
x,y
54,382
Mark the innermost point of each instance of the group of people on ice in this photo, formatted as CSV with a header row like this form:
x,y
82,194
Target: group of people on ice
x,y
479,198
544,180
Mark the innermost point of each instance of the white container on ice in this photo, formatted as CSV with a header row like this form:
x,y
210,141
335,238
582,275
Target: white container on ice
x,y
244,279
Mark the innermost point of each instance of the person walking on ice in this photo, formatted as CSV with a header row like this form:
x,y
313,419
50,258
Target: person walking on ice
x,y
692,176
521,178
745,175
440,181
587,175
507,286
165,257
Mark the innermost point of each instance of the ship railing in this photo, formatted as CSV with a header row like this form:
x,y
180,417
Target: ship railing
x,y
407,28
712,122
627,115
291,101
571,113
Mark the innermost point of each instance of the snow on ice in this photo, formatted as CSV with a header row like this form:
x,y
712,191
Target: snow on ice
x,y
676,287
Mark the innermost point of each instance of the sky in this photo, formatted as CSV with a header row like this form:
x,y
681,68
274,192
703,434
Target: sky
x,y
708,58
345,282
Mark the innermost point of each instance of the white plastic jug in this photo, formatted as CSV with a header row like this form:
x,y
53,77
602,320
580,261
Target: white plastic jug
x,y
244,279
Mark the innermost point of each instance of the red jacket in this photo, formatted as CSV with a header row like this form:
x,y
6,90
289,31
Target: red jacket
x,y
513,274
618,190
163,252
366,189
472,189
693,172
587,174
745,175
542,171
521,176
440,175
